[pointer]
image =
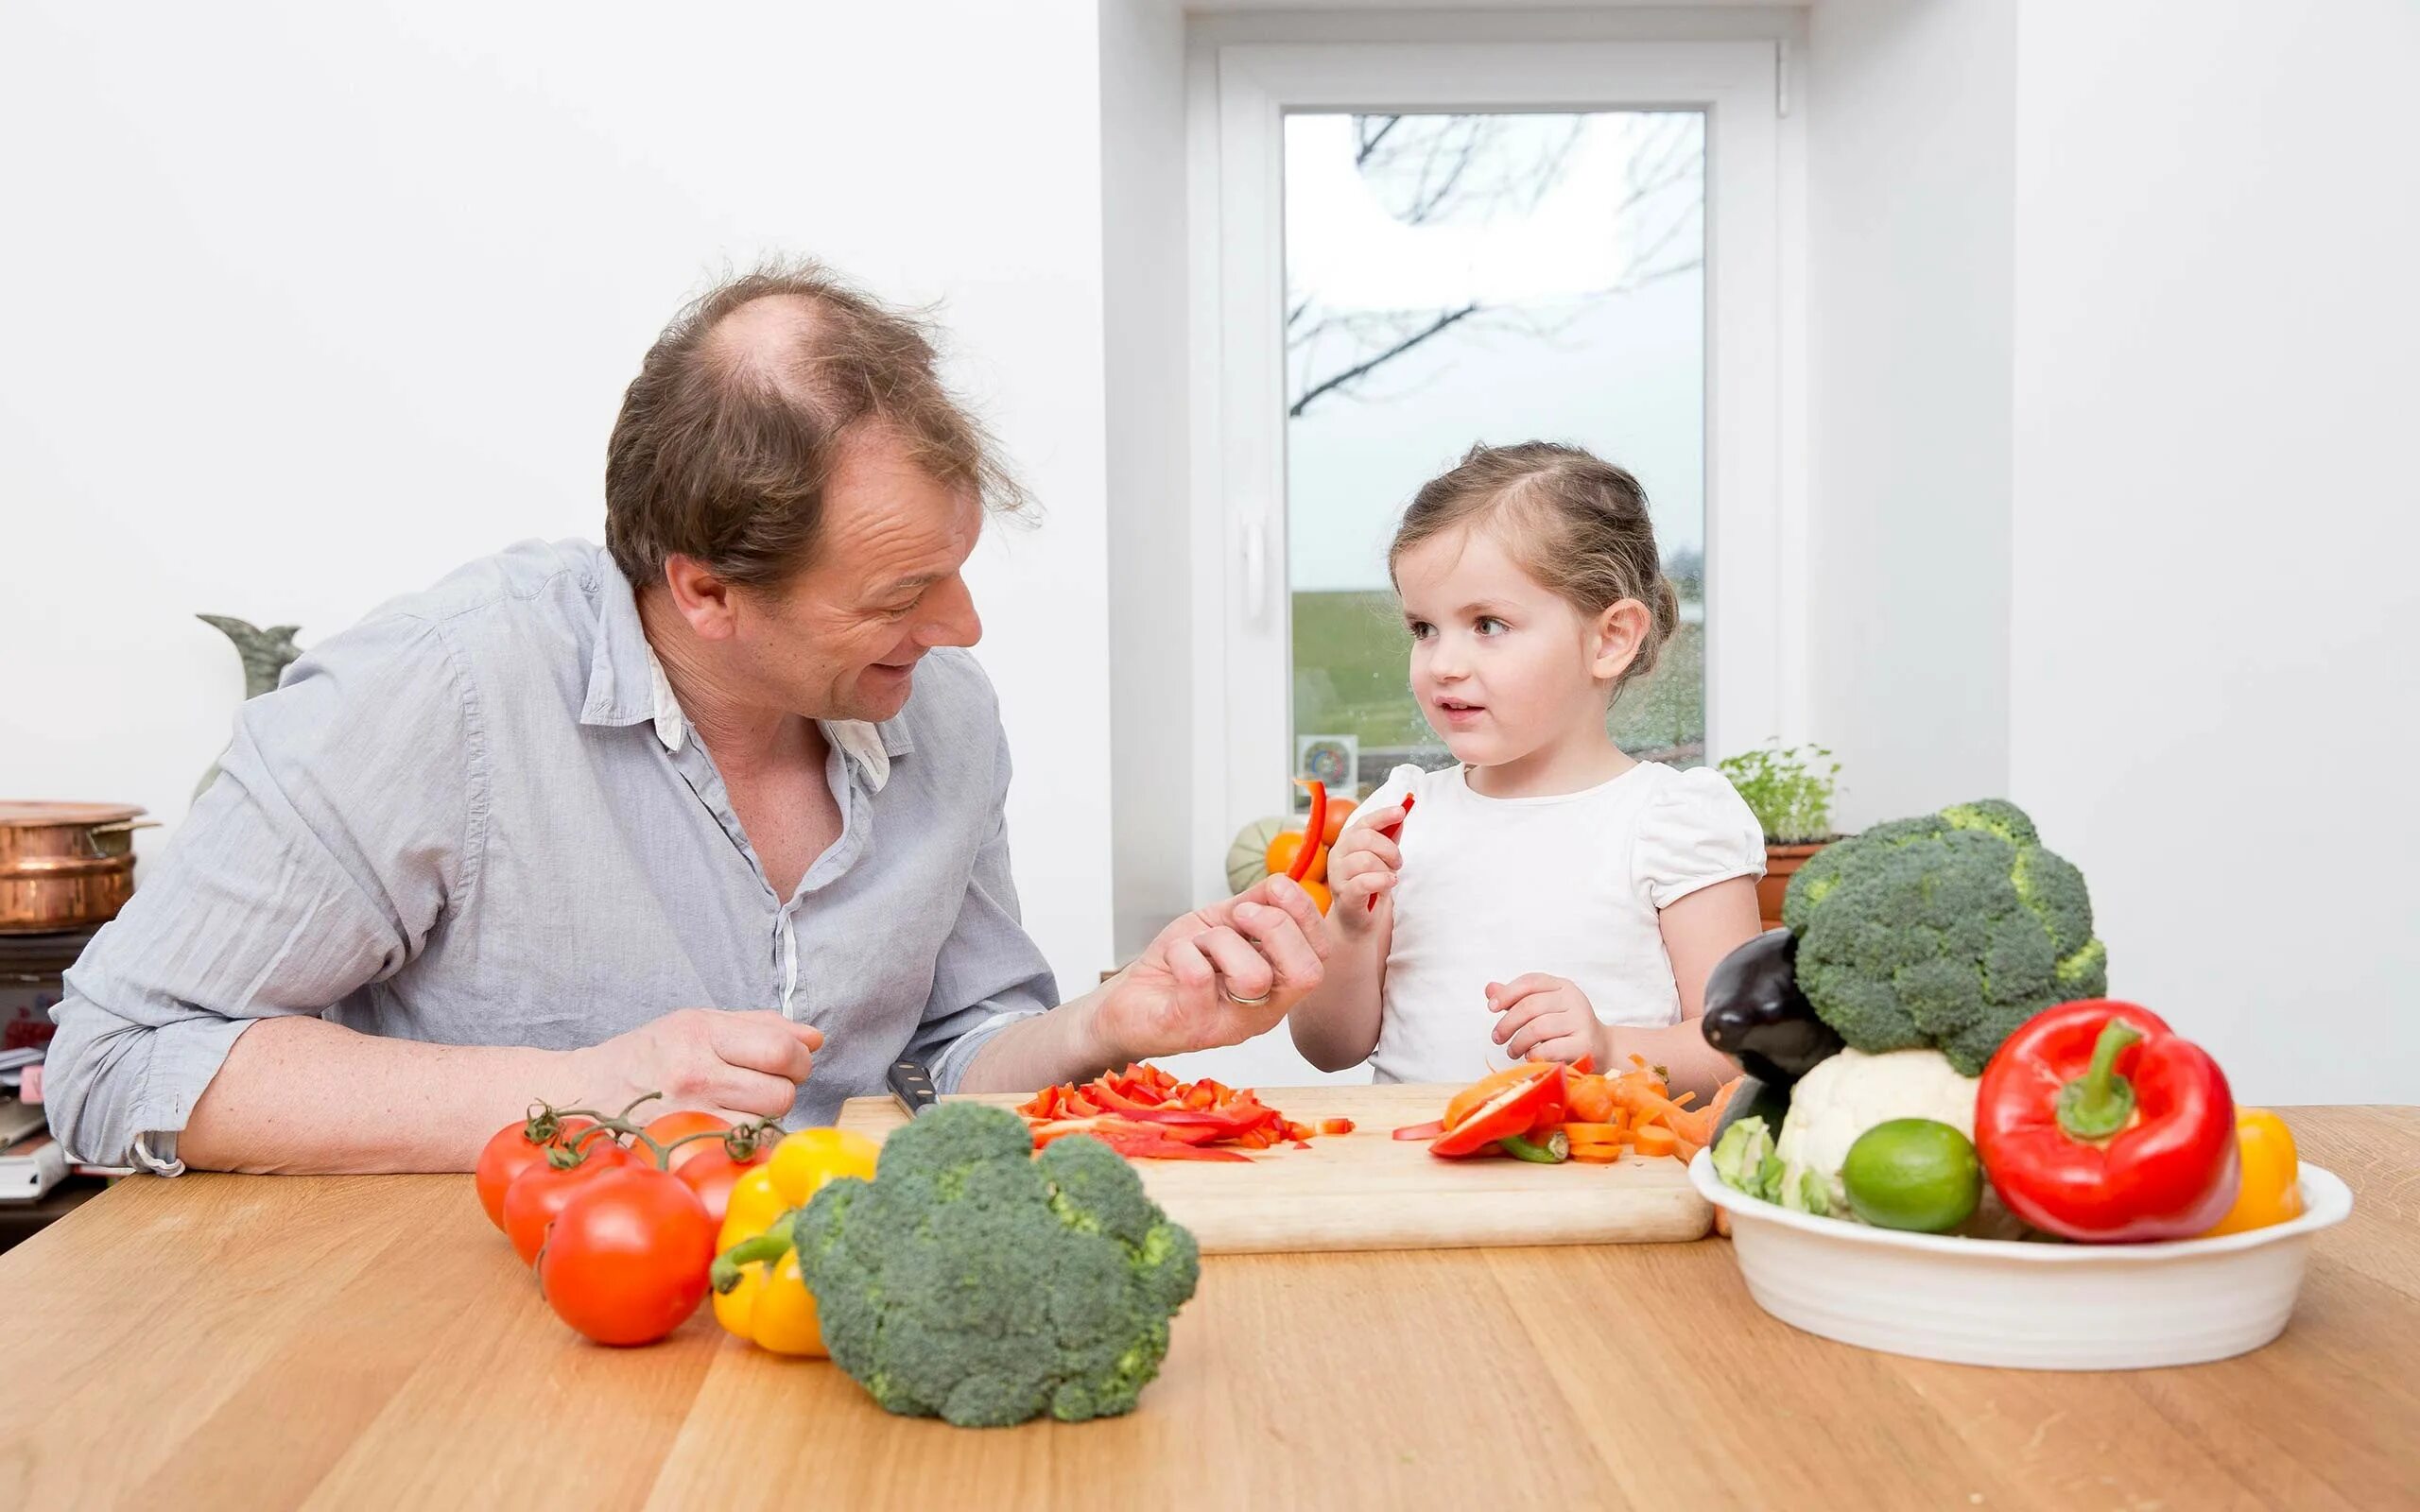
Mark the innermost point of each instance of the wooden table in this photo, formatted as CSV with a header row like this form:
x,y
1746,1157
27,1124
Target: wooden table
x,y
266,1342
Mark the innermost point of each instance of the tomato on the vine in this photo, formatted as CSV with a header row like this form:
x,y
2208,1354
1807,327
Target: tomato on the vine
x,y
627,1259
673,1126
712,1175
509,1152
539,1192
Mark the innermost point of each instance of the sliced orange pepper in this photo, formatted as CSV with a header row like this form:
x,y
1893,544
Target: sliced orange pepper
x,y
1486,1087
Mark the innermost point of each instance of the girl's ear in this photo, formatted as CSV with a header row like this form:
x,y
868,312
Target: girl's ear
x,y
1619,631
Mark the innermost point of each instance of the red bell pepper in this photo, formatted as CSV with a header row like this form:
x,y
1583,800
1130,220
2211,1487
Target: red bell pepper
x,y
1391,832
2096,1123
1532,1103
1313,833
1421,1131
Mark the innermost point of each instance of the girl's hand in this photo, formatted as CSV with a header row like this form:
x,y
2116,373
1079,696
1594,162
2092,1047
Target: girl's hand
x,y
1546,1018
1362,864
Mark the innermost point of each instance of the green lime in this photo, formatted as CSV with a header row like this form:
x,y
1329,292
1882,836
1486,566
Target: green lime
x,y
1913,1173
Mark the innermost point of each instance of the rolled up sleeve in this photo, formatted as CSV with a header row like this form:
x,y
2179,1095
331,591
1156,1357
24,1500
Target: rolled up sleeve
x,y
319,860
990,973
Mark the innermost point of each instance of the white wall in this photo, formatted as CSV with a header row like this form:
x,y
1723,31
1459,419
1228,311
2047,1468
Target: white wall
x,y
1150,584
1911,192
2212,699
308,303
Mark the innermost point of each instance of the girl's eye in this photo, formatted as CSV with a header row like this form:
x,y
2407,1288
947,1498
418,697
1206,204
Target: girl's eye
x,y
1422,629
1489,624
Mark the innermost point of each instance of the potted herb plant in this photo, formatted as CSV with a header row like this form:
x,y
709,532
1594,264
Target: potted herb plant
x,y
1788,788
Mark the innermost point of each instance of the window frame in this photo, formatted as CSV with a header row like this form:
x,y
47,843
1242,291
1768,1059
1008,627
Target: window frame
x,y
1242,671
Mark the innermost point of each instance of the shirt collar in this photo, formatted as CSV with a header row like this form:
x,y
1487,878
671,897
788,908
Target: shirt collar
x,y
627,686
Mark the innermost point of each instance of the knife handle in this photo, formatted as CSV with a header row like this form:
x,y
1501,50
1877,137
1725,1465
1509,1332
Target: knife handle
x,y
913,1085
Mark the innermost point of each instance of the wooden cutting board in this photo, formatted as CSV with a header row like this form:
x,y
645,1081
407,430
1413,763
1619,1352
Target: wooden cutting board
x,y
1365,1190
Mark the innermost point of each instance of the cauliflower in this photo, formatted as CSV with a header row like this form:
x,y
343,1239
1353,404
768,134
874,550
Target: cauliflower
x,y
1850,1093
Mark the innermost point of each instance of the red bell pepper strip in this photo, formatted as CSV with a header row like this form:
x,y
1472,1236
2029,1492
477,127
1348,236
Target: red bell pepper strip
x,y
1421,1131
1390,831
1312,832
1535,1102
2095,1123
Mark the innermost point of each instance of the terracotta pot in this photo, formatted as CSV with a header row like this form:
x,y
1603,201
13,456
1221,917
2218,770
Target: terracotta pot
x,y
1780,862
64,866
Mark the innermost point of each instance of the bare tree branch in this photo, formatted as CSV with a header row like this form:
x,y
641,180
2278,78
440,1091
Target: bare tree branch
x,y
1364,366
1368,139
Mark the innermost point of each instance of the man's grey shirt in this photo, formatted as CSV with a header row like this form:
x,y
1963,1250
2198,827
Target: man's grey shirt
x,y
479,818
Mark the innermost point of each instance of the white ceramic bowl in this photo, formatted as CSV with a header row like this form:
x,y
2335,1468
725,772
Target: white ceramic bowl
x,y
2030,1306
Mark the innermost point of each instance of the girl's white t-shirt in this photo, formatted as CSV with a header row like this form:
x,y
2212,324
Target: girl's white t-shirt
x,y
1569,885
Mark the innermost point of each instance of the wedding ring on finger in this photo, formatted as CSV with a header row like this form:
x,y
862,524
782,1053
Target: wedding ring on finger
x,y
1247,1002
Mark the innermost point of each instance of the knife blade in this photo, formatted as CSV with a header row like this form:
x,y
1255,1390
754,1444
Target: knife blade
x,y
912,1085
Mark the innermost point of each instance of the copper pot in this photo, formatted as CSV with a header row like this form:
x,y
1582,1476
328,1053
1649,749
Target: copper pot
x,y
65,865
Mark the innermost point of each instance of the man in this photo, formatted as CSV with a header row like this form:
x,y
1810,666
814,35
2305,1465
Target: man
x,y
715,812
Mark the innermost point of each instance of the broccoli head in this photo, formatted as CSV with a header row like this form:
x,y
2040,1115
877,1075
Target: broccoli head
x,y
1946,931
975,1282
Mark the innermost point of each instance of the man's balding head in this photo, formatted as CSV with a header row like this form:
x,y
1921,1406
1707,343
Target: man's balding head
x,y
731,430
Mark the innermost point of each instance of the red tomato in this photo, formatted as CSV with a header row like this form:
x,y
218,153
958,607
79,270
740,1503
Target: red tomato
x,y
509,1153
681,1126
712,1174
627,1261
539,1194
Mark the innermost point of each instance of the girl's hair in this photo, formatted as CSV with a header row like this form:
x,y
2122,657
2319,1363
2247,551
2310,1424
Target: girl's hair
x,y
1577,522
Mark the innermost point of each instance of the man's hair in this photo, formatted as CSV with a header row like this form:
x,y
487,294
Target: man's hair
x,y
724,446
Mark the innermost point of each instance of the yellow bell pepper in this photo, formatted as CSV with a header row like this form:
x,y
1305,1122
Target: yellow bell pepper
x,y
2271,1190
759,1294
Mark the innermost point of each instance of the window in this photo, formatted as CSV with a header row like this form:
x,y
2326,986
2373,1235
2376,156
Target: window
x,y
1498,276
1408,249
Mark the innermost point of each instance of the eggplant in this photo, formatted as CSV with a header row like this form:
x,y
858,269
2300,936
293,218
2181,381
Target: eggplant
x,y
1755,1098
1756,1014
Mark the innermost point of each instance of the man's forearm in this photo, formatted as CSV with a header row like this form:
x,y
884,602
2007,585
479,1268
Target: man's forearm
x,y
1065,1044
301,1095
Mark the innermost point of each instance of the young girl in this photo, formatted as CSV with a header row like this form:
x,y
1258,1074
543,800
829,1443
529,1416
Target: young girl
x,y
1550,897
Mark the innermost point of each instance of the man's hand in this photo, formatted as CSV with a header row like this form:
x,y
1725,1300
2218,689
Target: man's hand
x,y
1217,976
736,1066
1546,1018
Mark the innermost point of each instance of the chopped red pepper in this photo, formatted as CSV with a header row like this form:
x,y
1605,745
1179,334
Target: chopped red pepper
x,y
1136,1140
1336,1125
1144,1103
1421,1131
